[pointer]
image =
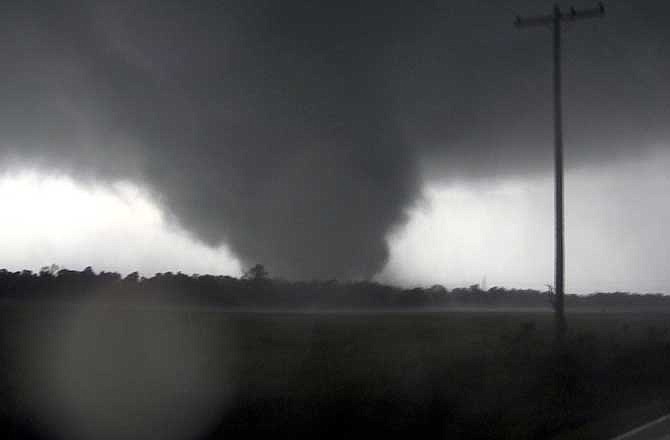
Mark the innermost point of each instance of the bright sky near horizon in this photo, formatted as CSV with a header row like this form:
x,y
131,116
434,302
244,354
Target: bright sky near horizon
x,y
616,218
51,219
616,231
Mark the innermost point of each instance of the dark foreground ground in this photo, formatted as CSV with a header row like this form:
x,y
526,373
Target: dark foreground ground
x,y
104,372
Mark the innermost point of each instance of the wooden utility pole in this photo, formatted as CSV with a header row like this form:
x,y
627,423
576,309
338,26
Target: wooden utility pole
x,y
554,20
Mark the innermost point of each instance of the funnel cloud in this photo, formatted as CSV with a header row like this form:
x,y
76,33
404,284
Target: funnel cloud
x,y
299,133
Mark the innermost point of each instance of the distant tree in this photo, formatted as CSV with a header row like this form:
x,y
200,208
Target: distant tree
x,y
133,277
437,293
109,277
438,289
550,294
256,273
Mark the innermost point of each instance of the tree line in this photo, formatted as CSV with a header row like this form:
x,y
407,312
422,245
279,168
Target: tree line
x,y
256,289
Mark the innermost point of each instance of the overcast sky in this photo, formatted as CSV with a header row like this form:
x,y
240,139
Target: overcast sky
x,y
408,141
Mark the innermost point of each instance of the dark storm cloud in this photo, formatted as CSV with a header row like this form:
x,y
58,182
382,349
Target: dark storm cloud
x,y
297,131
477,99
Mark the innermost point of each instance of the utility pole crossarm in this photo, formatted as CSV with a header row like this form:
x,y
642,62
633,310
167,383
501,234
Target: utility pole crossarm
x,y
573,14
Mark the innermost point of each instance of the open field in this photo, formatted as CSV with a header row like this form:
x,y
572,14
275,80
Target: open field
x,y
107,372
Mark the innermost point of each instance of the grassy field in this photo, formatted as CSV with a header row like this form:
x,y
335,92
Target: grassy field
x,y
101,372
